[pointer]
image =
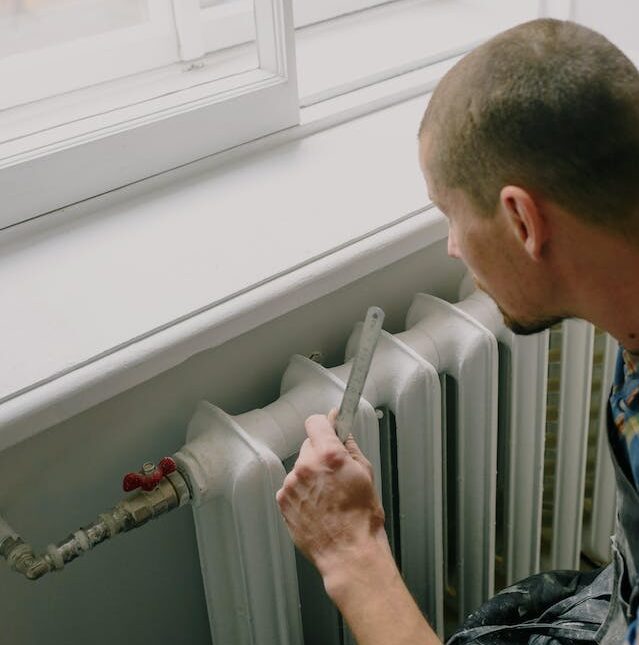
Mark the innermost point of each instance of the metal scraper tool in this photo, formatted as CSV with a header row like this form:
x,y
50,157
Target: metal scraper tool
x,y
361,365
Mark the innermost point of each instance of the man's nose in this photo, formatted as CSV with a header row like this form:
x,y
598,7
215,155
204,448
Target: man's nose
x,y
453,249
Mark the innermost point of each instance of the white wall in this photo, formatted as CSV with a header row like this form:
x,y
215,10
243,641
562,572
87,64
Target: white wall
x,y
147,584
618,20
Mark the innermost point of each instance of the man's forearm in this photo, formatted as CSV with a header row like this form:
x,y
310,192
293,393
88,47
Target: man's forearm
x,y
374,601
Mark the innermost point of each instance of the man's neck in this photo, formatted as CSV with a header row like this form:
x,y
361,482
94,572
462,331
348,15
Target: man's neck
x,y
604,278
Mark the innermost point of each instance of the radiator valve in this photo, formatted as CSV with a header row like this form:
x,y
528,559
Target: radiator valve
x,y
150,475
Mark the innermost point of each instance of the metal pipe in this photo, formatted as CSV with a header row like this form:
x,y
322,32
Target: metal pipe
x,y
172,491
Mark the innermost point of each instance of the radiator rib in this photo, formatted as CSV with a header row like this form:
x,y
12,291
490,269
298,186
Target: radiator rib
x,y
405,383
597,546
467,352
572,441
522,423
247,560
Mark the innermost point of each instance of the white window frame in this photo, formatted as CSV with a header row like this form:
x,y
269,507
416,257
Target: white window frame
x,y
51,169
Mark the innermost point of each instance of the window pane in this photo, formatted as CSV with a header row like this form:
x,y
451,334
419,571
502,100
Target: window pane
x,y
53,47
231,23
26,25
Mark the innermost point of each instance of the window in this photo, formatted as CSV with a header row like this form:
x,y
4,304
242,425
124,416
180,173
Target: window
x,y
101,93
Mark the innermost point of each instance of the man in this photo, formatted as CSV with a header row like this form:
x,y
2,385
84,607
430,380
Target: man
x,y
530,146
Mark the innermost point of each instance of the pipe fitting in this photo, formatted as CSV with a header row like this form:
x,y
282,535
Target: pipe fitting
x,y
146,505
21,556
172,491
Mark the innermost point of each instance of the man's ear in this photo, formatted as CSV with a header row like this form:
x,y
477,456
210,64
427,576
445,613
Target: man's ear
x,y
524,215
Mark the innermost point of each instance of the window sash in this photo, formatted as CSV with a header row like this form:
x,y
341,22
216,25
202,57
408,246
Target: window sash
x,y
94,155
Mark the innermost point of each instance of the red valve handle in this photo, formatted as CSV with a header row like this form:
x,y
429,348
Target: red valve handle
x,y
148,481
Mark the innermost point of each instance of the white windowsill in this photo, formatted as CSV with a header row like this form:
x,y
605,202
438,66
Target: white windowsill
x,y
111,292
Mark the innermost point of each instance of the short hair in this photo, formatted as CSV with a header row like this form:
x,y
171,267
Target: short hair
x,y
550,106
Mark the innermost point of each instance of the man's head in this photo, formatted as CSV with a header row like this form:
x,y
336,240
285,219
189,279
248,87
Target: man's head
x,y
530,138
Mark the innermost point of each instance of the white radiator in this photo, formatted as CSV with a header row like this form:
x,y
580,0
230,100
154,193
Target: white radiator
x,y
447,402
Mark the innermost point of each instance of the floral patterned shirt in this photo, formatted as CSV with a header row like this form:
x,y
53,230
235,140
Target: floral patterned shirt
x,y
624,402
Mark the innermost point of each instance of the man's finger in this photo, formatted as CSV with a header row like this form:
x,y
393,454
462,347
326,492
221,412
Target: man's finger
x,y
354,451
290,484
307,454
321,432
351,445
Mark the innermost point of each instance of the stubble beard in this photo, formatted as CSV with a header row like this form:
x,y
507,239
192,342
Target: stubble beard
x,y
529,327
521,327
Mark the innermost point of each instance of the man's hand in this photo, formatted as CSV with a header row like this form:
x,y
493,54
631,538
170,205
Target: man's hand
x,y
328,500
335,517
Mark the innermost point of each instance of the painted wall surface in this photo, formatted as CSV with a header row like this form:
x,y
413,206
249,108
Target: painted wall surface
x,y
147,584
616,19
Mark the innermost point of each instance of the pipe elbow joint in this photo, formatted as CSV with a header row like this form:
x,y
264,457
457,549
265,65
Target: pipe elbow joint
x,y
37,569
